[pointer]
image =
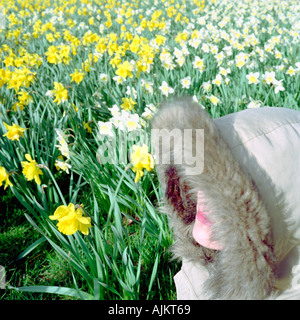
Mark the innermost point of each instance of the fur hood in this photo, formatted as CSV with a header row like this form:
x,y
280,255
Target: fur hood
x,y
246,266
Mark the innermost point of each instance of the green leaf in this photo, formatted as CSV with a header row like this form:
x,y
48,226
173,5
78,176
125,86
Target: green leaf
x,y
154,272
30,248
56,290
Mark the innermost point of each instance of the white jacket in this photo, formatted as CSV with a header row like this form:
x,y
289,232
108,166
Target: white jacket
x,y
266,143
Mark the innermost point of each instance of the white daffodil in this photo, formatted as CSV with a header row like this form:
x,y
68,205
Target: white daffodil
x,y
186,82
253,77
165,89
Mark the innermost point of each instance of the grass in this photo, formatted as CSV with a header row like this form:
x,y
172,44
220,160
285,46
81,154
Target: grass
x,y
45,267
41,266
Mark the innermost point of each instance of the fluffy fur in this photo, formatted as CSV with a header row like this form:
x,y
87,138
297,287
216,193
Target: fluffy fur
x,y
245,268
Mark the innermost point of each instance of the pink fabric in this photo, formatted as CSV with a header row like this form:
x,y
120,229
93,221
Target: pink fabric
x,y
202,227
201,210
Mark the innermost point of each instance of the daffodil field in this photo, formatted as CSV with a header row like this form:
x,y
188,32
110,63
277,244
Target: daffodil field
x,y
79,84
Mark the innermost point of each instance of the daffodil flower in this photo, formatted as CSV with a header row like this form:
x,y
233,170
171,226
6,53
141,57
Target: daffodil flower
x,y
269,77
125,70
132,122
165,89
31,169
62,165
63,143
13,132
198,63
186,82
77,76
141,159
214,100
60,93
4,177
71,219
253,77
128,104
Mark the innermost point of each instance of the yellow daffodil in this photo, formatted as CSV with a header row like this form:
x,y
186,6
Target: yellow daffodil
x,y
50,37
20,77
13,132
4,177
86,65
24,97
60,93
125,70
4,76
64,51
31,170
14,82
17,105
128,104
160,39
87,127
52,55
141,159
77,76
9,61
71,219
